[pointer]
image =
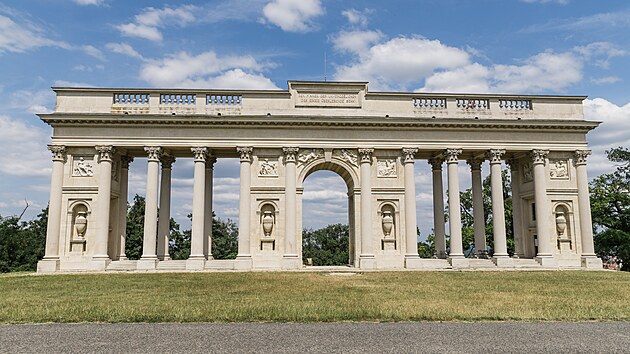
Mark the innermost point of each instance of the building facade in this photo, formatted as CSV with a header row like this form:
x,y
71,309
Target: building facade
x,y
371,139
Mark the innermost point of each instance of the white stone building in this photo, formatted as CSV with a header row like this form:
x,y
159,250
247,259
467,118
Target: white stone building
x,y
371,139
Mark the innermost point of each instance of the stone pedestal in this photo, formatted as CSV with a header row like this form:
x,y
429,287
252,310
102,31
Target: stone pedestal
x,y
98,265
48,266
291,262
367,262
547,262
243,263
459,262
195,263
147,264
587,262
503,262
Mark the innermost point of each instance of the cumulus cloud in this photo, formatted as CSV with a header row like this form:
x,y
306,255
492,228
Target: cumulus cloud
x,y
24,148
124,49
21,37
147,24
33,102
206,70
600,52
357,42
293,15
356,17
89,2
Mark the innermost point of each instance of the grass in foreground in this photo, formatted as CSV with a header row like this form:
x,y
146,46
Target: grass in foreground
x,y
316,297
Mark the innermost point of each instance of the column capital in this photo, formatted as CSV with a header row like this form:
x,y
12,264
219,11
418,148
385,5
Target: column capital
x,y
580,157
58,152
436,163
106,152
153,152
513,164
167,161
409,154
125,161
290,153
452,155
210,161
538,156
199,153
495,155
475,164
366,155
245,152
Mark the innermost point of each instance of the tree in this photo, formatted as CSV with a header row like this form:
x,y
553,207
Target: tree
x,y
327,246
224,238
610,206
135,228
22,243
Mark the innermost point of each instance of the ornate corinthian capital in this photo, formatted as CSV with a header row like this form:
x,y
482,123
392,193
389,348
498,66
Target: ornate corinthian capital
x,y
58,152
125,161
580,157
289,153
452,155
513,164
105,152
167,161
210,161
409,154
495,155
538,156
153,152
366,155
245,152
436,163
475,164
199,153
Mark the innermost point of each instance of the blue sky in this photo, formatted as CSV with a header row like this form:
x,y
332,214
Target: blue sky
x,y
572,47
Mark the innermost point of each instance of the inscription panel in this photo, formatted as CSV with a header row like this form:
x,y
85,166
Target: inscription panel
x,y
328,100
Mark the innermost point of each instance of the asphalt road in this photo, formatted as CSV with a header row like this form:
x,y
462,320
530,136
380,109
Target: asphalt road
x,y
317,338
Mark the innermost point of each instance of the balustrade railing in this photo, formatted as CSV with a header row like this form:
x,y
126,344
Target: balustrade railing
x,y
181,99
131,98
515,105
469,104
224,100
429,103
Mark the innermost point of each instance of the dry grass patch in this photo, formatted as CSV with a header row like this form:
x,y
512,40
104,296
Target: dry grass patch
x,y
316,297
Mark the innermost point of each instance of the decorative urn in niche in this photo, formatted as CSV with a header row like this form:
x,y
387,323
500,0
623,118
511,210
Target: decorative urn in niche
x,y
80,223
267,223
561,223
388,223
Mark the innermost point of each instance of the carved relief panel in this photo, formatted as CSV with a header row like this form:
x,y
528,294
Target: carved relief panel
x,y
308,155
386,168
268,167
83,166
559,169
347,155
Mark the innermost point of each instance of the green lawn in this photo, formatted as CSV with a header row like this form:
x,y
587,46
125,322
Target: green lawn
x,y
315,297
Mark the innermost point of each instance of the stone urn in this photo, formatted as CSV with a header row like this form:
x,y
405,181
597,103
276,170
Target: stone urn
x,y
561,223
267,223
80,223
388,223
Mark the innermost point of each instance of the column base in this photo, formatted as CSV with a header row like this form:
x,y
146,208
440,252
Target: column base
x,y
590,262
123,258
441,255
48,265
459,262
503,262
195,263
243,262
367,261
547,261
291,261
147,264
164,258
98,264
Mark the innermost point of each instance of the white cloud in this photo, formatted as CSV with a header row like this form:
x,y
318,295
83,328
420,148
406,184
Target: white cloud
x,y
93,52
19,38
293,15
357,42
453,80
24,148
600,52
597,21
125,49
606,80
206,70
32,102
89,2
562,2
150,20
356,17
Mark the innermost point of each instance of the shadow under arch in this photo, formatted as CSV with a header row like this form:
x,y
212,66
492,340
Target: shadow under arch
x,y
351,178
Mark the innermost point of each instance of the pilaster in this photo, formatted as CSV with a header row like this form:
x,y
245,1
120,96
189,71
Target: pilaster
x,y
366,258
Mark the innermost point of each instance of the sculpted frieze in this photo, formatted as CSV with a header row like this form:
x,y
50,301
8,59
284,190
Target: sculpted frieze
x,y
347,155
83,167
309,155
386,168
268,168
559,169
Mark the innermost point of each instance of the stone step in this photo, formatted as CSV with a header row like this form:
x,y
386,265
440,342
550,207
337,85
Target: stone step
x,y
481,263
171,265
526,263
122,266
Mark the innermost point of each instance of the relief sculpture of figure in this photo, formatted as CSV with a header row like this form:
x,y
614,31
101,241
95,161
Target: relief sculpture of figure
x,y
387,168
267,168
349,156
83,168
311,155
560,169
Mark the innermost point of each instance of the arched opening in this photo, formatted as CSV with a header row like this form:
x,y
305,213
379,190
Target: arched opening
x,y
328,221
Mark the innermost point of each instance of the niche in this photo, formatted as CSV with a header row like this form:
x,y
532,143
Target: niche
x,y
564,219
268,227
387,214
79,216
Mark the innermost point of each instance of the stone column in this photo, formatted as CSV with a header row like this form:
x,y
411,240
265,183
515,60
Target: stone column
x,y
438,208
50,262
196,261
544,227
244,215
207,220
366,258
164,218
122,212
454,210
291,258
411,226
500,257
479,222
100,258
149,254
517,213
589,259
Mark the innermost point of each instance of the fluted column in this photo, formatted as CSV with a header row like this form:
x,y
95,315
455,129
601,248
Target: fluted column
x,y
244,215
479,222
411,234
290,192
102,212
498,208
589,259
454,209
544,227
149,254
517,213
366,258
207,220
50,262
164,218
199,195
439,230
122,212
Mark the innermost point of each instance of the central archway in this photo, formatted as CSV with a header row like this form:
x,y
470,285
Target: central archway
x,y
349,177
